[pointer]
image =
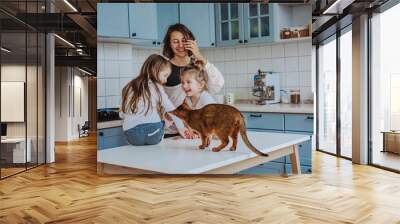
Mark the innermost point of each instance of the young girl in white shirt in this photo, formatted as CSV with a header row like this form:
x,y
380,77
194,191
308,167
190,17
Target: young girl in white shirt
x,y
144,103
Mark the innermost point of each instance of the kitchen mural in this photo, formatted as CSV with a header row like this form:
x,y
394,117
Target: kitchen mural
x,y
204,88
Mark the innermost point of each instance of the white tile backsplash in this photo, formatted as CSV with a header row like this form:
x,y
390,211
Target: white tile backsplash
x,y
277,51
291,50
292,64
120,63
111,69
305,63
112,87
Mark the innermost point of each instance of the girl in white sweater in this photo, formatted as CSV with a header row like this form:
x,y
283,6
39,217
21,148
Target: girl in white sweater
x,y
144,103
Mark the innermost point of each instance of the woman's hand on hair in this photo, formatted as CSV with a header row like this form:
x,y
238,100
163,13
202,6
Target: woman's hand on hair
x,y
191,45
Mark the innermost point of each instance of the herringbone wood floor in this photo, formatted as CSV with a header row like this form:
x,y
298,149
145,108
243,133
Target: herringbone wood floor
x,y
69,191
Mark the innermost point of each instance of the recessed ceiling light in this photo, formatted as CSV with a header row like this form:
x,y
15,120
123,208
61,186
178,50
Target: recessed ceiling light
x,y
70,5
5,50
64,40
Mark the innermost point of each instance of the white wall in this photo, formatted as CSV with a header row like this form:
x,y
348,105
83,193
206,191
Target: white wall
x,y
119,63
68,81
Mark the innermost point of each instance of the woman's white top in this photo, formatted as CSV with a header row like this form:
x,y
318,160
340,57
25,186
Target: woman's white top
x,y
204,99
132,120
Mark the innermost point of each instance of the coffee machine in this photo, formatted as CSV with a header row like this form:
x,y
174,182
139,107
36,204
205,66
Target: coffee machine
x,y
267,87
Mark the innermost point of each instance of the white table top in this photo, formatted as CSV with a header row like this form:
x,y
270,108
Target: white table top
x,y
14,140
182,156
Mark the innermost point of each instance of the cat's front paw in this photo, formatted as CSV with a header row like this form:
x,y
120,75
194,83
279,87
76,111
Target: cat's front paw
x,y
232,149
202,147
216,149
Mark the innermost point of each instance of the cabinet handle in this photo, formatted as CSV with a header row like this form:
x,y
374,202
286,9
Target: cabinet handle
x,y
245,41
240,41
310,117
158,43
101,133
255,115
212,44
133,34
154,43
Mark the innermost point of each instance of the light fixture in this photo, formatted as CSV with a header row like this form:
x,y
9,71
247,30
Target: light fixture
x,y
337,7
65,41
84,71
5,50
70,5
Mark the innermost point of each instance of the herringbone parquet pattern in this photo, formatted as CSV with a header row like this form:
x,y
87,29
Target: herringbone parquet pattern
x,y
70,191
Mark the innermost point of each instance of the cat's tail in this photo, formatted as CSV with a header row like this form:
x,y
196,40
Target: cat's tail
x,y
246,141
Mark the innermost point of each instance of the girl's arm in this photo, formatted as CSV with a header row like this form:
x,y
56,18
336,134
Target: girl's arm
x,y
168,106
215,78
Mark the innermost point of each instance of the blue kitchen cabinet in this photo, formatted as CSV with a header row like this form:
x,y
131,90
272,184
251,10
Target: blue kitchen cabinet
x,y
258,23
167,14
110,138
287,123
143,21
113,20
229,23
241,23
199,18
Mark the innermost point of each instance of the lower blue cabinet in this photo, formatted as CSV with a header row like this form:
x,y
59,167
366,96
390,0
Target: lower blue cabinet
x,y
110,138
291,123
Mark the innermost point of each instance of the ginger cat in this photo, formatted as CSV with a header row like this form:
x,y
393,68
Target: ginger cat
x,y
220,120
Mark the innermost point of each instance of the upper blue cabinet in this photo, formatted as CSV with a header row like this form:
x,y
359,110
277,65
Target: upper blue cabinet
x,y
229,23
143,21
239,23
113,20
258,23
167,14
199,18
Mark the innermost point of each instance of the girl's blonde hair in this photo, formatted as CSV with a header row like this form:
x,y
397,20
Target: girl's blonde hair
x,y
197,71
138,88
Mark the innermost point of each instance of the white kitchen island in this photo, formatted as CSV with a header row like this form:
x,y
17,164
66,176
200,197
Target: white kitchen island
x,y
182,156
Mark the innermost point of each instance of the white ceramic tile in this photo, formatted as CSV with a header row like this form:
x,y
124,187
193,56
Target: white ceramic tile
x,y
125,52
241,53
110,51
241,93
278,64
252,66
220,66
101,102
135,55
230,81
125,69
292,64
305,48
142,55
241,67
305,79
229,54
292,79
305,63
112,87
230,67
260,65
291,49
264,51
136,69
210,55
283,80
277,51
101,87
113,101
122,83
305,93
266,65
219,55
111,69
252,53
100,68
242,80
100,51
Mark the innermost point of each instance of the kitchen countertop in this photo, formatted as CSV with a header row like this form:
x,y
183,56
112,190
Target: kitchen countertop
x,y
182,156
243,107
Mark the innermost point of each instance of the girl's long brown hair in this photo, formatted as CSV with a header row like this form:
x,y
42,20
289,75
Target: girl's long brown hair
x,y
138,88
167,50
